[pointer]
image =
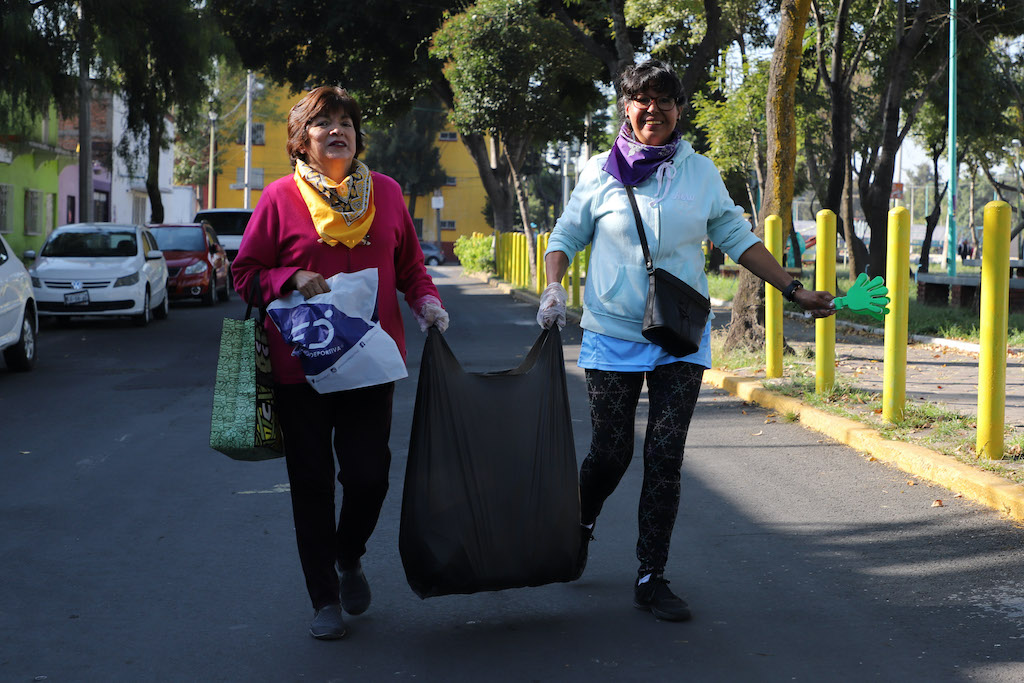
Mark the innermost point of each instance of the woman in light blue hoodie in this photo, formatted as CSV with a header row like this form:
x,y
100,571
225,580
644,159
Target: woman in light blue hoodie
x,y
682,201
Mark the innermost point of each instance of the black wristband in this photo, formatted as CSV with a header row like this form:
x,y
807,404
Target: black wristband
x,y
791,288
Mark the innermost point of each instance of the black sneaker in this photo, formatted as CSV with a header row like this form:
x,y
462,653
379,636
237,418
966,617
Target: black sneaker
x,y
586,536
328,623
654,595
355,591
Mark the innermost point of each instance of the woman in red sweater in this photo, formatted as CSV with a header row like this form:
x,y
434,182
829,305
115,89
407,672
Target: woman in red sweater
x,y
334,216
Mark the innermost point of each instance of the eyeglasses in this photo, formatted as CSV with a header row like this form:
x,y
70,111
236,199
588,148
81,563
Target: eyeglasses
x,y
665,103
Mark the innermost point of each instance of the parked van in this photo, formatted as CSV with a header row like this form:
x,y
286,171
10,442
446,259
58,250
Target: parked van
x,y
229,224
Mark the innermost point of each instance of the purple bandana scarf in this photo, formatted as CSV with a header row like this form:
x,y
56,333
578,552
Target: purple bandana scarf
x,y
632,162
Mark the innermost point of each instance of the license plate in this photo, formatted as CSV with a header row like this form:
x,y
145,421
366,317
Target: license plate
x,y
76,298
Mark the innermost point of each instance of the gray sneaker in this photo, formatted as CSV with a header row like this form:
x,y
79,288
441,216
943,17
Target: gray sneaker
x,y
355,590
328,623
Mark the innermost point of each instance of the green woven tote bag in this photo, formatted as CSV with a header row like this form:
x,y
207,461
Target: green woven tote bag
x,y
244,423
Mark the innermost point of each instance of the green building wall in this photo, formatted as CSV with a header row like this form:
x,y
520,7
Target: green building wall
x,y
35,164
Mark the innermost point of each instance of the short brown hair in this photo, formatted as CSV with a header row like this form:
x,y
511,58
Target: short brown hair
x,y
325,99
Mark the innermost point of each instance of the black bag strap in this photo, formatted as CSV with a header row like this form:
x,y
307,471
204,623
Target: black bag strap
x,y
255,294
648,261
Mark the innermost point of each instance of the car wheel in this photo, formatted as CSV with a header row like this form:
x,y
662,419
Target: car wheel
x,y
142,319
164,309
207,296
224,295
433,261
22,356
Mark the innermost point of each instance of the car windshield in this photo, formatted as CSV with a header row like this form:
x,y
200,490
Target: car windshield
x,y
78,243
179,239
226,223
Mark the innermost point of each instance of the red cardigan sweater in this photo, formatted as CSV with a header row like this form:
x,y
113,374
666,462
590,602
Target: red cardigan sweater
x,y
280,239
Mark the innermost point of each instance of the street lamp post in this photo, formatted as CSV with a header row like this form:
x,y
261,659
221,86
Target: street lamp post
x,y
1016,174
213,143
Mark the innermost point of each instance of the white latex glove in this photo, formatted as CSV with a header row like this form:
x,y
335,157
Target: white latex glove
x,y
552,306
428,311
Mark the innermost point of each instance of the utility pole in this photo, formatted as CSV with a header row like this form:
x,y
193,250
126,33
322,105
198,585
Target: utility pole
x,y
951,206
85,200
246,192
211,180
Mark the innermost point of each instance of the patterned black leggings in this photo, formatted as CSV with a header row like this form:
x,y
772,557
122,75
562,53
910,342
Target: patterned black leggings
x,y
672,393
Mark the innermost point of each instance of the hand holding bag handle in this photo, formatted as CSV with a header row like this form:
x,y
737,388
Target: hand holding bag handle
x,y
676,313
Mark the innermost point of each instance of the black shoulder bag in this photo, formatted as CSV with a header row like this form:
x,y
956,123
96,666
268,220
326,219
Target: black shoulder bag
x,y
676,313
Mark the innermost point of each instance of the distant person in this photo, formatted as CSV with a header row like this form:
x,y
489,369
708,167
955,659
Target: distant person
x,y
964,249
334,215
682,200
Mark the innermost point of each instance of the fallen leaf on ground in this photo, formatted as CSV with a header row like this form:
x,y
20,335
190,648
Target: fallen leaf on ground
x,y
937,503
758,433
911,482
959,495
769,421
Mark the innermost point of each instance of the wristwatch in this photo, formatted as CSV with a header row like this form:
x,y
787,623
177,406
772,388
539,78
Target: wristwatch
x,y
791,288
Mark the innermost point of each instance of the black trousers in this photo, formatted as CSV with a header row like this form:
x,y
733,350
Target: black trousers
x,y
354,427
672,393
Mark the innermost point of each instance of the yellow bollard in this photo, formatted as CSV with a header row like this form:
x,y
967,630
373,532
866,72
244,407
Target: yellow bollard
x,y
524,262
773,303
576,280
825,280
897,280
995,301
498,256
542,276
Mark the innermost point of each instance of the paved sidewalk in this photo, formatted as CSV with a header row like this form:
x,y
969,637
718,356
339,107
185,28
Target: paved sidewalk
x,y
939,371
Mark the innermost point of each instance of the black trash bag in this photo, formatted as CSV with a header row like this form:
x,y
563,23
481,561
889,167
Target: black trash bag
x,y
491,498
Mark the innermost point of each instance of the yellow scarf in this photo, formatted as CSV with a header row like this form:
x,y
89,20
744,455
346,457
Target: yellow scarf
x,y
341,212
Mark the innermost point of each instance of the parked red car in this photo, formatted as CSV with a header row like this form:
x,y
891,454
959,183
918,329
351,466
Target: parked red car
x,y
197,265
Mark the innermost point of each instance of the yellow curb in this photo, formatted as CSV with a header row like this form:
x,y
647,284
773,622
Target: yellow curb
x,y
983,487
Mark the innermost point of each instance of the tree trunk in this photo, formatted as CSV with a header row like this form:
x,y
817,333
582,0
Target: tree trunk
x,y
496,181
412,208
156,135
524,214
746,328
932,219
876,176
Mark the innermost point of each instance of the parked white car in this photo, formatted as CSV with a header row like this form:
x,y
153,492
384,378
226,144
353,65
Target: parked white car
x,y
101,269
19,323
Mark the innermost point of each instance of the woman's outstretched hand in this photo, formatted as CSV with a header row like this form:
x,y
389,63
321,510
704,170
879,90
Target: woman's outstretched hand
x,y
817,303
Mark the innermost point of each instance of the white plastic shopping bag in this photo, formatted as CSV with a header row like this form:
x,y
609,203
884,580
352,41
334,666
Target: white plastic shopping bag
x,y
337,336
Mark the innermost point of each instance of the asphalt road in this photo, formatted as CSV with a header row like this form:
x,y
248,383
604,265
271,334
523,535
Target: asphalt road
x,y
133,552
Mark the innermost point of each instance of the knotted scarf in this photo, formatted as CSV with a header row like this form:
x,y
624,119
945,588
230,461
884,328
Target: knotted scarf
x,y
632,162
341,212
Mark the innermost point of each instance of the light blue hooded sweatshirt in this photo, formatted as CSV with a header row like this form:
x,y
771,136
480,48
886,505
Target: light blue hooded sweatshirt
x,y
681,204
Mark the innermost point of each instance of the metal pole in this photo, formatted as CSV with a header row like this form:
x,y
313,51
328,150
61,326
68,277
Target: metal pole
x,y
210,179
85,187
995,298
246,202
773,302
1020,216
897,280
825,280
951,207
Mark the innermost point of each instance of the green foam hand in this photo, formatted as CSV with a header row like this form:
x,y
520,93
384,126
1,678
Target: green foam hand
x,y
866,296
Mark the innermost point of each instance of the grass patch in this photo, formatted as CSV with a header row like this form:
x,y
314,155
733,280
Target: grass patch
x,y
926,424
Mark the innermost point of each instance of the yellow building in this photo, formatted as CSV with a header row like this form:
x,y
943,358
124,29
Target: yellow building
x,y
463,197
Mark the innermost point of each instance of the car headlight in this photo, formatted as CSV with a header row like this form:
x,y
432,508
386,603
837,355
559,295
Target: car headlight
x,y
127,280
196,268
